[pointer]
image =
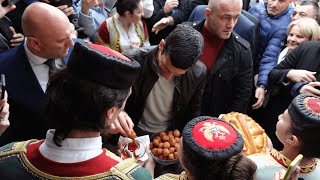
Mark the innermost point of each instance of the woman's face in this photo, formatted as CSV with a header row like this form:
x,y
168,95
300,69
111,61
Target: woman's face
x,y
283,127
137,13
295,38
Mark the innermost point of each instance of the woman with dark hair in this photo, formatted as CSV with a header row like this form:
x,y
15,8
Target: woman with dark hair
x,y
124,30
298,129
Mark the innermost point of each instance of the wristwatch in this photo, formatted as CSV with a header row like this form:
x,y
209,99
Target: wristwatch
x,y
261,86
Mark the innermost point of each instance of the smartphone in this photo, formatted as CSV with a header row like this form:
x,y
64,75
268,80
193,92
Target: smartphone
x,y
292,167
5,23
3,87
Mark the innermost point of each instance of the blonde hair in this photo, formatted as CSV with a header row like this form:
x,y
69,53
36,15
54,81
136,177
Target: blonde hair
x,y
308,28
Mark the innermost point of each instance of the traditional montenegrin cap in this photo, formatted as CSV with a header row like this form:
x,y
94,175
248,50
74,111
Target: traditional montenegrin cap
x,y
103,65
304,110
212,138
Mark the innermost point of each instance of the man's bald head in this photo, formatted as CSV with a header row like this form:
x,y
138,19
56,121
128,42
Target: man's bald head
x,y
213,4
222,16
41,17
48,31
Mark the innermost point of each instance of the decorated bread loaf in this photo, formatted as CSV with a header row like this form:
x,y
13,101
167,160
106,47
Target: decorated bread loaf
x,y
255,138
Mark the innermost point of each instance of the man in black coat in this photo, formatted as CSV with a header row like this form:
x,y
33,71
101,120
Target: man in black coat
x,y
228,60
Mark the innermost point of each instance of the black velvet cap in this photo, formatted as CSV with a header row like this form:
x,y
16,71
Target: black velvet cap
x,y
103,65
212,138
304,110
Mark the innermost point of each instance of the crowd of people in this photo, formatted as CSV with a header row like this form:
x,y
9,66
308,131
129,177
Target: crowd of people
x,y
80,72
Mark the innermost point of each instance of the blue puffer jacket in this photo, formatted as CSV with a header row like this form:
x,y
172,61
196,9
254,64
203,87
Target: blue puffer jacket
x,y
273,37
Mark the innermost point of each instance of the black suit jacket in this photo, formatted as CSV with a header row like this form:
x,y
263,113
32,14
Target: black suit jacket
x,y
27,119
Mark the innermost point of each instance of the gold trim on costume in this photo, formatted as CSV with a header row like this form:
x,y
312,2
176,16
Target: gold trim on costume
x,y
117,37
17,148
285,162
120,171
170,176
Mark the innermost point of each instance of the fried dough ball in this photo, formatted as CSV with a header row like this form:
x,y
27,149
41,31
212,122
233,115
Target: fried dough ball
x,y
172,142
171,156
162,134
160,145
165,152
176,133
159,151
166,145
158,137
156,142
177,139
165,138
154,151
132,135
172,149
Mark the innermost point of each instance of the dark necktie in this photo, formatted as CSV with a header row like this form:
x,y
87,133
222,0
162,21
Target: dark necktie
x,y
52,66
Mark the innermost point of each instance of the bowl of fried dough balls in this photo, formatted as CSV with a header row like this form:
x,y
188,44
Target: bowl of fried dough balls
x,y
164,147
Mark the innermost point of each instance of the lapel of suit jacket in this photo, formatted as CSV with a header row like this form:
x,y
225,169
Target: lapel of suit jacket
x,y
23,83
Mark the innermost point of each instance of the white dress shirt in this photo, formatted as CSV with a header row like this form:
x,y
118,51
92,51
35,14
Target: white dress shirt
x,y
72,150
40,69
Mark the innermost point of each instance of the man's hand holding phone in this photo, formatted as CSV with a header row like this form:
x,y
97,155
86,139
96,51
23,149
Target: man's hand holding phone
x,y
4,115
5,8
4,107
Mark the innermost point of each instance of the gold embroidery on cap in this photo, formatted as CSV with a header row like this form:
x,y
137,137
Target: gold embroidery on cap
x,y
305,102
214,130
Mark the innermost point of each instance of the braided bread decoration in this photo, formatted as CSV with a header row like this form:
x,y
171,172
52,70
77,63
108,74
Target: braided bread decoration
x,y
255,138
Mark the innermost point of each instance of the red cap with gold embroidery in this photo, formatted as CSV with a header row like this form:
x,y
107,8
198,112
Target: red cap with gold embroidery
x,y
212,138
103,65
304,110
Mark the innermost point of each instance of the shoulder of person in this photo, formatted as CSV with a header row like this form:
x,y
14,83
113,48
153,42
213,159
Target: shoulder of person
x,y
190,23
244,43
310,44
199,68
139,54
258,7
129,167
14,148
195,24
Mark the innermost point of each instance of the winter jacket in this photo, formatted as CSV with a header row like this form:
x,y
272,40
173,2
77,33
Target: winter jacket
x,y
272,38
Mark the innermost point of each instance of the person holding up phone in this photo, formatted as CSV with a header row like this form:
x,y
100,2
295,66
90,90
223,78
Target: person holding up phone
x,y
298,129
82,101
4,113
26,70
8,36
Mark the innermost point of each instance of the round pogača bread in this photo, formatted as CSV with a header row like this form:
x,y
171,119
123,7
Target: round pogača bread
x,y
255,138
